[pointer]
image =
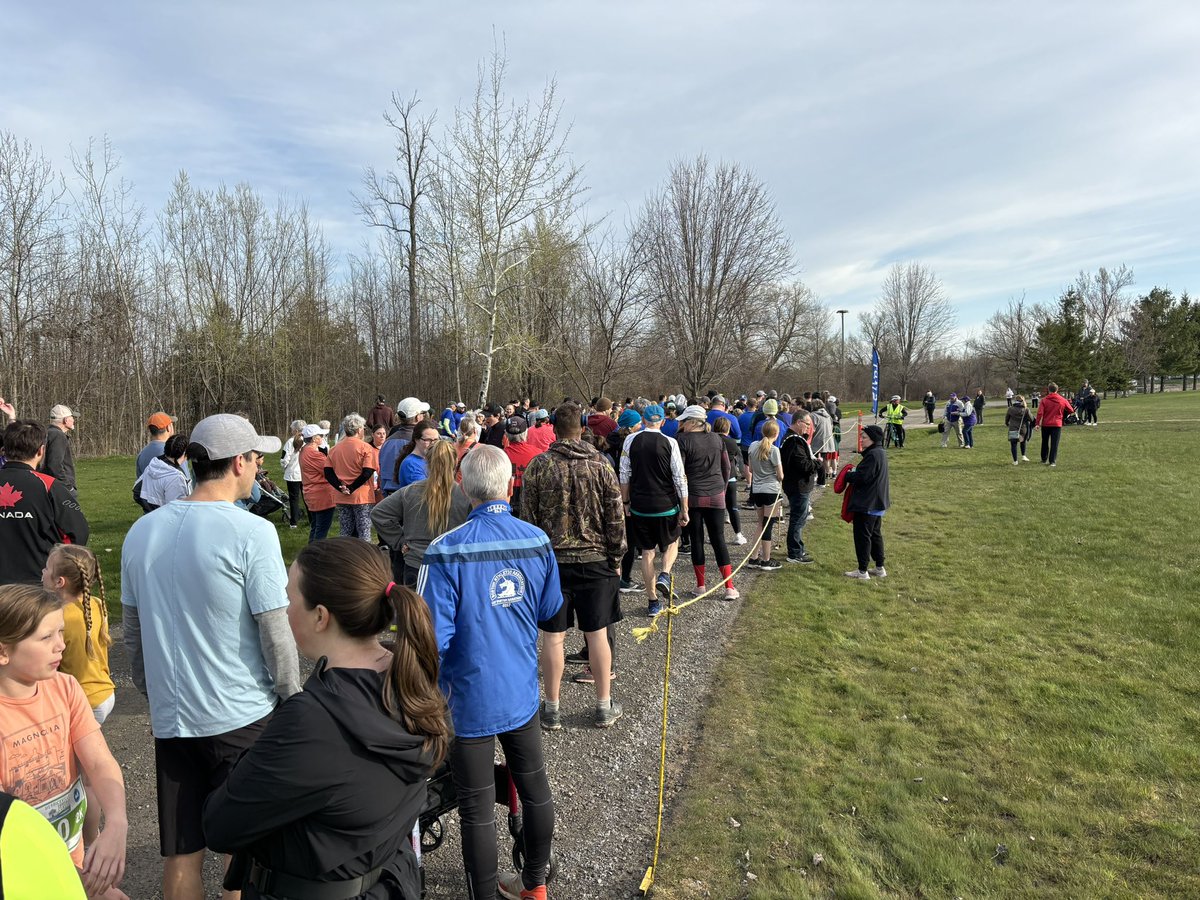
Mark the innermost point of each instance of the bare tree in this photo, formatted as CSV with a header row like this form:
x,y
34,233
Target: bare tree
x,y
911,320
510,167
392,201
714,246
1104,302
1009,334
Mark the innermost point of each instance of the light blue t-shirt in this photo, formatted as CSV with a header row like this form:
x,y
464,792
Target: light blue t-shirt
x,y
198,572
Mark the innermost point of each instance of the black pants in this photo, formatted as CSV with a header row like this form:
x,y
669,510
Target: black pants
x,y
471,764
1050,436
929,415
868,540
713,520
731,507
295,500
1013,443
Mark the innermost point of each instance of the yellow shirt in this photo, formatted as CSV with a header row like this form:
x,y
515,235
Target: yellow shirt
x,y
91,673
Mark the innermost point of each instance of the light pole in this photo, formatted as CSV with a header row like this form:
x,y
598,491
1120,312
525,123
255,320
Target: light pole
x,y
842,313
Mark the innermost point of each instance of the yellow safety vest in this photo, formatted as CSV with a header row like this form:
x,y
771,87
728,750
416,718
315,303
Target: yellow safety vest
x,y
895,414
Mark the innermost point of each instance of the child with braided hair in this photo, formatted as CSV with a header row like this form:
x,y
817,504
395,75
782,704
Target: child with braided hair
x,y
71,571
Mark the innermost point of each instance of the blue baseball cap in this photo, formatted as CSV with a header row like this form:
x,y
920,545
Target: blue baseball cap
x,y
654,413
628,418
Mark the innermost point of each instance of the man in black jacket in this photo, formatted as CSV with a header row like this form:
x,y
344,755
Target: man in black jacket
x,y
799,474
36,510
59,461
868,502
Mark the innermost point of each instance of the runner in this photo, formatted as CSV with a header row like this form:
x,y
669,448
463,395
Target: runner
x,y
486,605
707,468
765,475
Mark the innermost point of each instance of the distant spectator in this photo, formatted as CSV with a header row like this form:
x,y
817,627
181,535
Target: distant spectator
x,y
165,479
868,503
381,414
349,470
1053,409
290,463
1019,423
59,461
161,426
318,492
930,403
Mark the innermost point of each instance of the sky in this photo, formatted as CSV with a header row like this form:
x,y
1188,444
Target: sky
x,y
1005,146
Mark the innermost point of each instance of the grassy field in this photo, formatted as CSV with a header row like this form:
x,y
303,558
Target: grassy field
x,y
106,495
1014,712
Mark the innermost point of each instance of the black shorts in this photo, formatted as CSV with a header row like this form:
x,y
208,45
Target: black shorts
x,y
187,770
654,532
590,597
764,499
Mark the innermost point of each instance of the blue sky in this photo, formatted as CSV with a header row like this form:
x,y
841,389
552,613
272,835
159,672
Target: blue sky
x,y
1006,146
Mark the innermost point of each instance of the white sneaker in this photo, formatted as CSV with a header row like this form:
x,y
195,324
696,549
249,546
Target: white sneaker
x,y
1015,463
739,539
855,573
877,572
1024,459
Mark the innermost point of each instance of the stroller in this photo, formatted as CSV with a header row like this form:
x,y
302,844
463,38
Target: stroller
x,y
272,500
430,831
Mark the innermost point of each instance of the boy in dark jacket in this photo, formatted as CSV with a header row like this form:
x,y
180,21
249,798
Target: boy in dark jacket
x,y
868,503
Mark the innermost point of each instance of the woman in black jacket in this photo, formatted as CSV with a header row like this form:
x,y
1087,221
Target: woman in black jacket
x,y
707,466
324,803
871,497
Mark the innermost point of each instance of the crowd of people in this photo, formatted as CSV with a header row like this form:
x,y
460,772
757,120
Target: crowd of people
x,y
470,545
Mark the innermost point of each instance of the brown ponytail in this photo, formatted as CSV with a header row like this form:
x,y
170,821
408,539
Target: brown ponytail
x,y
350,578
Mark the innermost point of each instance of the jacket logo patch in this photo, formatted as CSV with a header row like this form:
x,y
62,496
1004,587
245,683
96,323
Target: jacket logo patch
x,y
507,588
9,496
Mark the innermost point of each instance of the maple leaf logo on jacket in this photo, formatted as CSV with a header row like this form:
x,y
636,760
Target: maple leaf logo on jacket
x,y
9,496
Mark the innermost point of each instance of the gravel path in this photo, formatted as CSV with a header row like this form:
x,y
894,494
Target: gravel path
x,y
604,781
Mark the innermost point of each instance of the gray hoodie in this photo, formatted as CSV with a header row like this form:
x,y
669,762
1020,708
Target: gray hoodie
x,y
163,482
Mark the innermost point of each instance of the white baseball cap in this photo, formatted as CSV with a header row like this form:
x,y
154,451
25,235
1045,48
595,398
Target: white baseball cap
x,y
224,436
409,407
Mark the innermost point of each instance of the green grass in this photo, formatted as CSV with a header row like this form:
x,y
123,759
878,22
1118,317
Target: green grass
x,y
106,495
1027,676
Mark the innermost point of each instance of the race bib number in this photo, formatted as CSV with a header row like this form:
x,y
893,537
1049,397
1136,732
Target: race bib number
x,y
65,812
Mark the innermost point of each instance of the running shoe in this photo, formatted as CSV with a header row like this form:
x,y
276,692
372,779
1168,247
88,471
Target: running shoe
x,y
551,720
770,565
606,718
859,574
662,586
739,539
586,676
579,656
732,594
629,587
654,607
877,572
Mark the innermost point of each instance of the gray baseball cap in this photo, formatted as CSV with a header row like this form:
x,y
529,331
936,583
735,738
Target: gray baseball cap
x,y
224,436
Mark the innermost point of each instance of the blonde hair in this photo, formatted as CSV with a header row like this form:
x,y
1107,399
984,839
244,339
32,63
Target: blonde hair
x,y
80,569
769,433
436,489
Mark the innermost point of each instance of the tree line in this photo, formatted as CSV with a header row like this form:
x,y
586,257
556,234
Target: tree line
x,y
479,276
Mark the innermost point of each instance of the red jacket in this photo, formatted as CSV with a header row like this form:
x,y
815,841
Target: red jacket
x,y
1052,409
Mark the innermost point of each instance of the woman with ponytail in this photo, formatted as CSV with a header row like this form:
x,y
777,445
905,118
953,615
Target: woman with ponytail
x,y
419,512
324,802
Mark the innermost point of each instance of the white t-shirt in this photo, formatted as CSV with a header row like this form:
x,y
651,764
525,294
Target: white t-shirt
x,y
197,572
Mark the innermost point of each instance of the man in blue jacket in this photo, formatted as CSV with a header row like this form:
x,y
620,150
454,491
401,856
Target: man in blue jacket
x,y
488,583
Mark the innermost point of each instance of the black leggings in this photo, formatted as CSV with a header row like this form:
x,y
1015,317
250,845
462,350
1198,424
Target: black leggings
x,y
1013,443
1050,436
630,556
471,763
731,507
712,519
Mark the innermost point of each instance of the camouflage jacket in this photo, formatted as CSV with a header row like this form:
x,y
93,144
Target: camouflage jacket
x,y
571,493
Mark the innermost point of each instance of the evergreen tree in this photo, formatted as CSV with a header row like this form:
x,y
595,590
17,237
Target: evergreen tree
x,y
1061,351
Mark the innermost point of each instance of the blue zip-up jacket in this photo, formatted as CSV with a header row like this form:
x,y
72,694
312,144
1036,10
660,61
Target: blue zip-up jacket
x,y
488,583
387,464
735,427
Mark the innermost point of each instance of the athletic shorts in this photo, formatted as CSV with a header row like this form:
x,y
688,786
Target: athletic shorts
x,y
830,455
187,770
654,532
764,499
590,598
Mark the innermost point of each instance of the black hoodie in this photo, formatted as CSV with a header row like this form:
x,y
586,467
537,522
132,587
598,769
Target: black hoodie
x,y
330,791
